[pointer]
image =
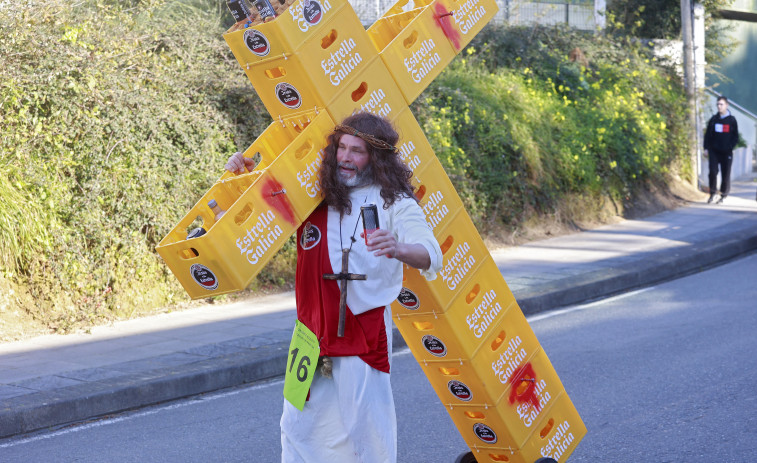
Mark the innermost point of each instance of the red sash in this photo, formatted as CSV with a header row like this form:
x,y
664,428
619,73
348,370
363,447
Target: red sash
x,y
318,301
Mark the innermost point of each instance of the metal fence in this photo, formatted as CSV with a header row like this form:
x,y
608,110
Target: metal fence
x,y
576,13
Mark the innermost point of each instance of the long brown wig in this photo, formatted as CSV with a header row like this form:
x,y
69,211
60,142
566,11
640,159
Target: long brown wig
x,y
389,172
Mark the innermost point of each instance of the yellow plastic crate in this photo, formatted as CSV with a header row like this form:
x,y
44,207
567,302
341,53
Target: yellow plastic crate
x,y
440,202
558,433
470,16
235,248
463,252
411,41
285,34
526,405
471,319
413,145
280,135
373,90
420,300
296,169
486,376
557,436
314,74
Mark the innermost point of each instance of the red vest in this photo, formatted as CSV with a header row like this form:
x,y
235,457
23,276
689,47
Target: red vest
x,y
318,301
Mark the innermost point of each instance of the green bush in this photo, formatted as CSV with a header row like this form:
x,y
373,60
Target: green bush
x,y
118,116
522,127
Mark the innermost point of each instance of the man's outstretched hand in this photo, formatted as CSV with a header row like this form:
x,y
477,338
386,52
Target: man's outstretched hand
x,y
238,164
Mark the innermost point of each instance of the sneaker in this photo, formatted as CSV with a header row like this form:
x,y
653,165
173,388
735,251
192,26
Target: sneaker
x,y
711,198
720,200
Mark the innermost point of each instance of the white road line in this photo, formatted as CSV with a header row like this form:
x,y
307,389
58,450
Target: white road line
x,y
587,306
151,411
211,396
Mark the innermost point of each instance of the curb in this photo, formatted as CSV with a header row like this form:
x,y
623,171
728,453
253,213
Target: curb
x,y
658,267
76,403
81,402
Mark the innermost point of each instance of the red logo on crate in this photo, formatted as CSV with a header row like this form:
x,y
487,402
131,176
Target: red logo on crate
x,y
311,236
485,433
434,345
523,388
313,12
203,276
288,95
256,42
444,19
408,299
460,390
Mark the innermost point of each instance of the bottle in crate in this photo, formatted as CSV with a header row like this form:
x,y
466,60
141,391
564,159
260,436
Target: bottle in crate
x,y
265,8
217,211
240,10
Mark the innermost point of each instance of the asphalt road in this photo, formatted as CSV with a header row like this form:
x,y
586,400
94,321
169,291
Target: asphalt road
x,y
665,374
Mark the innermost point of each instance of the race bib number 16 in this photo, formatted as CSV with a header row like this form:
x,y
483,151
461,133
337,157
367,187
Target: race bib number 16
x,y
301,364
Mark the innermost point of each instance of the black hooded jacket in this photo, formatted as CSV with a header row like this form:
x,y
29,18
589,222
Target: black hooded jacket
x,y
722,134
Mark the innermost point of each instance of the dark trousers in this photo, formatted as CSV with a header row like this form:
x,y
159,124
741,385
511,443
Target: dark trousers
x,y
724,160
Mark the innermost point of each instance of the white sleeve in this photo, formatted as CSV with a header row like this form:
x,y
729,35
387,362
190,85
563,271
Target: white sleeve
x,y
409,226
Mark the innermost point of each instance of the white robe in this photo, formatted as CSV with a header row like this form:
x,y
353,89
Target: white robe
x,y
351,417
408,224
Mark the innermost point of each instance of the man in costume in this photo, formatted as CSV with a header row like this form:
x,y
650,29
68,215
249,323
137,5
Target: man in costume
x,y
720,139
349,415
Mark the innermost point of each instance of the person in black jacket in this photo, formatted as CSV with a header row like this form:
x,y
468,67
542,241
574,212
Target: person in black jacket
x,y
721,137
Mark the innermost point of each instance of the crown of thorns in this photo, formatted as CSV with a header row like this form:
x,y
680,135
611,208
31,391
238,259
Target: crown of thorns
x,y
373,141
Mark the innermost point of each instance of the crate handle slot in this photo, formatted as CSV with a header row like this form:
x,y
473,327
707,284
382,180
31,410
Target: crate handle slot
x,y
360,92
473,293
499,340
243,215
329,39
258,158
306,148
410,40
447,244
275,73
546,429
496,457
524,384
188,253
423,326
449,371
398,7
475,415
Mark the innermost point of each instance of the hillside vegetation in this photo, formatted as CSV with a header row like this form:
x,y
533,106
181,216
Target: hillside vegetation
x,y
117,116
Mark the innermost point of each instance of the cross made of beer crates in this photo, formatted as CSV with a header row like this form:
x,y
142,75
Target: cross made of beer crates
x,y
312,66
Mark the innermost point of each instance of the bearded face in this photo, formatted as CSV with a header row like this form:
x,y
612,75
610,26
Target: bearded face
x,y
350,175
353,161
